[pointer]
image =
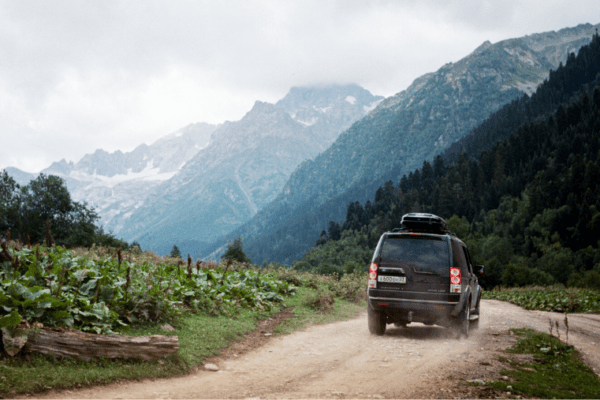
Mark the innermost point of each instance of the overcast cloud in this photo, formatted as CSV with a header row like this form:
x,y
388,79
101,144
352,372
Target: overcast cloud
x,y
76,75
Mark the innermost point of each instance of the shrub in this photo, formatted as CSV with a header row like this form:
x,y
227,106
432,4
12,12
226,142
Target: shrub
x,y
351,287
322,300
521,275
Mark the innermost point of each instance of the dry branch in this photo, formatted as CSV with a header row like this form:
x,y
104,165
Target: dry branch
x,y
5,253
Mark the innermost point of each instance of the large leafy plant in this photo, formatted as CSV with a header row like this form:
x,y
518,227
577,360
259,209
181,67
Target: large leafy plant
x,y
55,286
549,298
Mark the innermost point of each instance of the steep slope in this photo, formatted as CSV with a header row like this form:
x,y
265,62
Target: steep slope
x,y
328,110
402,132
244,168
524,165
117,183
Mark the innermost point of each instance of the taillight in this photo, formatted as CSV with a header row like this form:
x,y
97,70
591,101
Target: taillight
x,y
455,280
373,275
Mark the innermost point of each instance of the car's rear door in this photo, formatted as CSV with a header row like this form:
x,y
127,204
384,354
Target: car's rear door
x,y
411,262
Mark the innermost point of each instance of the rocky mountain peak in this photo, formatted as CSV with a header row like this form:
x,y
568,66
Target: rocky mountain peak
x,y
60,167
322,97
484,46
260,111
244,167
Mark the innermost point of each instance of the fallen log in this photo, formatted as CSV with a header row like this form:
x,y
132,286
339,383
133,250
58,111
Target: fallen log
x,y
88,346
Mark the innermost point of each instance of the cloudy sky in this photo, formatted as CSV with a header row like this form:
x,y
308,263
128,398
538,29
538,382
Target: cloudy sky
x,y
76,75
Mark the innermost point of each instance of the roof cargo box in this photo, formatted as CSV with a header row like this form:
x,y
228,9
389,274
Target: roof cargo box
x,y
424,222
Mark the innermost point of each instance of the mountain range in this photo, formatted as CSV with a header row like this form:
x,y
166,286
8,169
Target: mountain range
x,y
117,183
194,185
281,173
244,168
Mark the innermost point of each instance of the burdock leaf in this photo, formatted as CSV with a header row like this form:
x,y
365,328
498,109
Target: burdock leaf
x,y
88,287
11,320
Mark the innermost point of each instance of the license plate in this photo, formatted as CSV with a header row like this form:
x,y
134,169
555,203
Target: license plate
x,y
391,279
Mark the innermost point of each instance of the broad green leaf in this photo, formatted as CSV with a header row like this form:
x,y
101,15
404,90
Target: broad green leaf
x,y
11,320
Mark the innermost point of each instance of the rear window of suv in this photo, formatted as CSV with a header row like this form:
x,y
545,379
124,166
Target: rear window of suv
x,y
426,254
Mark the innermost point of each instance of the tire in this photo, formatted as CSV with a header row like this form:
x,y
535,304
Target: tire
x,y
376,321
461,323
475,323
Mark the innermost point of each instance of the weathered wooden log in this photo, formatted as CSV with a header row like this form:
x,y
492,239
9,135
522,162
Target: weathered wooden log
x,y
88,346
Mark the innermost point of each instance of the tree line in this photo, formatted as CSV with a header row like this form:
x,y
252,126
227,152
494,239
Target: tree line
x,y
25,211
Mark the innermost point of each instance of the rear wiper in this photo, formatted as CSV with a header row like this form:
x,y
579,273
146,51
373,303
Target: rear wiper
x,y
418,271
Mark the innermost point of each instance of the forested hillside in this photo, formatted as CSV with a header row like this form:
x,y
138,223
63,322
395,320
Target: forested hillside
x,y
525,197
416,124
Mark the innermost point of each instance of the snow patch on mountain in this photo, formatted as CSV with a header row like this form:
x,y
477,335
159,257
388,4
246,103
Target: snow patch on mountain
x,y
150,173
310,122
117,183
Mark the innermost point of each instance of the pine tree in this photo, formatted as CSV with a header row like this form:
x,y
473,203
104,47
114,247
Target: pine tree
x,y
235,251
334,231
175,253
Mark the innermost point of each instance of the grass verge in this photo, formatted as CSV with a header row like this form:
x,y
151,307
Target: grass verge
x,y
555,372
200,337
306,315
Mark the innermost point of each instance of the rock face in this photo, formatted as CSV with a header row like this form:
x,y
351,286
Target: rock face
x,y
403,131
244,168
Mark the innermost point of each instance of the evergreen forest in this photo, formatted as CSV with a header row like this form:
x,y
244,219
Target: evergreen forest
x,y
522,190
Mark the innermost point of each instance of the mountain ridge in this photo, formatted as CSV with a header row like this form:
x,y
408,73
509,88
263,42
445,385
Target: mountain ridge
x,y
115,183
412,126
244,168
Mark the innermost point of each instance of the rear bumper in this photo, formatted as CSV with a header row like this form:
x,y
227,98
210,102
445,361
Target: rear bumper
x,y
414,306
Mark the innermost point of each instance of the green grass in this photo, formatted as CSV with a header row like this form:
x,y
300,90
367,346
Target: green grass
x,y
200,337
305,315
553,298
556,372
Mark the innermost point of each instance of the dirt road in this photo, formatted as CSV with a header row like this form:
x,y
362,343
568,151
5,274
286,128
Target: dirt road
x,y
342,360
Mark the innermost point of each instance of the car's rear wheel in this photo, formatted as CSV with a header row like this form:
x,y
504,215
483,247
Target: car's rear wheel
x,y
477,315
464,323
376,321
461,324
475,323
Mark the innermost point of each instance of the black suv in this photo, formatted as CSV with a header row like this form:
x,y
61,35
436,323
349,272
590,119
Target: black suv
x,y
421,272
